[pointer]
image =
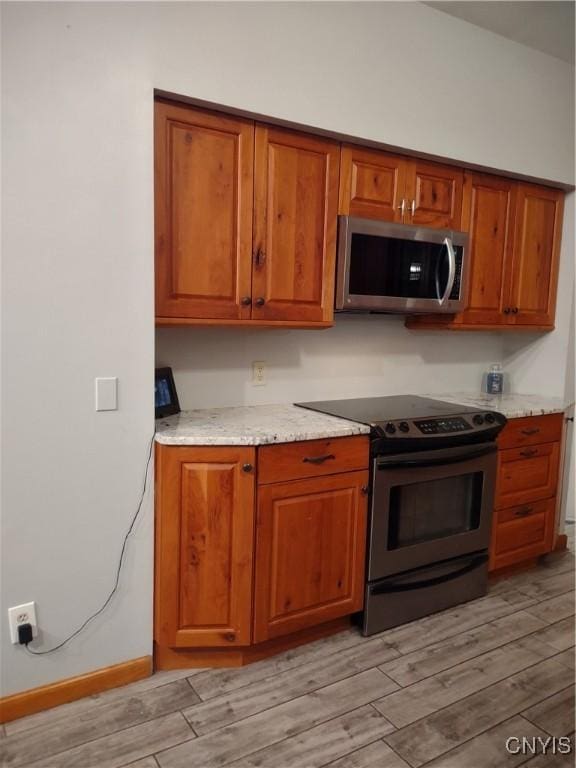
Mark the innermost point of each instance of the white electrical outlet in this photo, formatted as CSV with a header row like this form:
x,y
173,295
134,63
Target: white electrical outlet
x,y
22,614
259,374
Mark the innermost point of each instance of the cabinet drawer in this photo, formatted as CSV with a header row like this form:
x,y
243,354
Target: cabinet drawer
x,y
527,474
519,536
531,431
311,458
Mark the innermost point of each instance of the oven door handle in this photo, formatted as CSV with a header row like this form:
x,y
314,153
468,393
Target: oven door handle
x,y
389,585
395,463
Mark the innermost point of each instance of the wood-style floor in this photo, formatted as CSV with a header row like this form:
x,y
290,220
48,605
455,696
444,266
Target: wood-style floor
x,y
447,690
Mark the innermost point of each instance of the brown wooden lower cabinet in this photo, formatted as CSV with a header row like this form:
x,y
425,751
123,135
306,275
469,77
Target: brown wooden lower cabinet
x,y
526,490
204,546
231,585
310,547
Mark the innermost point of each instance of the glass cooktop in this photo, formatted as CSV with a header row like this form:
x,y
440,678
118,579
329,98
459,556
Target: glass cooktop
x,y
375,410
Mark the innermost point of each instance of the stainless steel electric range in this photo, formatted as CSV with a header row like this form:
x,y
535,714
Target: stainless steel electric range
x,y
433,470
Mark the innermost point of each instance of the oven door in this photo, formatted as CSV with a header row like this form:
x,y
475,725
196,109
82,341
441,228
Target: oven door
x,y
430,506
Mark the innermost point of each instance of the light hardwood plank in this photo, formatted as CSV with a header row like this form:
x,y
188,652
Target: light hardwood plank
x,y
423,698
549,587
423,632
216,682
124,747
146,762
518,600
27,746
555,714
324,743
75,708
567,658
215,713
259,731
554,609
559,635
446,729
490,747
413,667
376,755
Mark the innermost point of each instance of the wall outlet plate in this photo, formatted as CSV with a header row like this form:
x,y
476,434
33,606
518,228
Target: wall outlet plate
x,y
258,373
22,614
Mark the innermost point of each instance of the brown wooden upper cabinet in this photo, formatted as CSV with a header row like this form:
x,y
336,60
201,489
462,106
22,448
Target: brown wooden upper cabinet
x,y
515,231
378,185
245,221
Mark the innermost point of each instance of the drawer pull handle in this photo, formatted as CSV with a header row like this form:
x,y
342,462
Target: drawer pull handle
x,y
531,431
523,512
318,459
529,452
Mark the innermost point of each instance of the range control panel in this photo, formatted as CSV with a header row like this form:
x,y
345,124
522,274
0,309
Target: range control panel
x,y
443,425
439,426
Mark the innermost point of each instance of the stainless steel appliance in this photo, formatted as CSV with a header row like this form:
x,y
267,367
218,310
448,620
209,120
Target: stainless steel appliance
x,y
432,493
385,267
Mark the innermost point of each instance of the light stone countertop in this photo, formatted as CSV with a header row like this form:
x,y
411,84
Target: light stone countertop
x,y
513,406
265,424
252,425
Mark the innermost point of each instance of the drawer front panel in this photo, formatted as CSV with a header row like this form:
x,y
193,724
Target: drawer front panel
x,y
527,474
311,458
531,431
520,538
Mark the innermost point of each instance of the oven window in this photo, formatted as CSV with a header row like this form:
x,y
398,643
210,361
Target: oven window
x,y
387,266
434,509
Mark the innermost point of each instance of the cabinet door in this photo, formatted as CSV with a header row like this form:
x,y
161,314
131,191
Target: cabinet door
x,y
488,216
535,256
372,184
434,195
527,474
295,212
310,548
204,546
203,203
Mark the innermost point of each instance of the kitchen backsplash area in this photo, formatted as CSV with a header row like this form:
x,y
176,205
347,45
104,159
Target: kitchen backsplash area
x,y
360,356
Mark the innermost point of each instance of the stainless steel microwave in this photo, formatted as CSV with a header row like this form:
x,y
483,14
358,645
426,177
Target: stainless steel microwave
x,y
385,267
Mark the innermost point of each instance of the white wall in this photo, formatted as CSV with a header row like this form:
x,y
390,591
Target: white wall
x,y
359,356
77,90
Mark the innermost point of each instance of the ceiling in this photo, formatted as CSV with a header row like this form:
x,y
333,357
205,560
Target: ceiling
x,y
546,26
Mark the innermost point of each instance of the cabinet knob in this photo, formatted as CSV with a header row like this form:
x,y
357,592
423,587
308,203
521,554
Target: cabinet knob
x,y
246,301
515,311
247,467
365,490
507,311
260,301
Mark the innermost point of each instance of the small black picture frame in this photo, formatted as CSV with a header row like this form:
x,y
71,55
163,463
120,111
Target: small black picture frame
x,y
165,396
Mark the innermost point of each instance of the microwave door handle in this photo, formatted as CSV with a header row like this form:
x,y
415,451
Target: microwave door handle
x,y
451,271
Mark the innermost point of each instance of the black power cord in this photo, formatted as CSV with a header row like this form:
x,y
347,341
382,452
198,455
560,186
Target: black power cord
x,y
118,570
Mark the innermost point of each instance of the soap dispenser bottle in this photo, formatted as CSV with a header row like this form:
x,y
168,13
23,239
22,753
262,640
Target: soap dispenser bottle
x,y
495,380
